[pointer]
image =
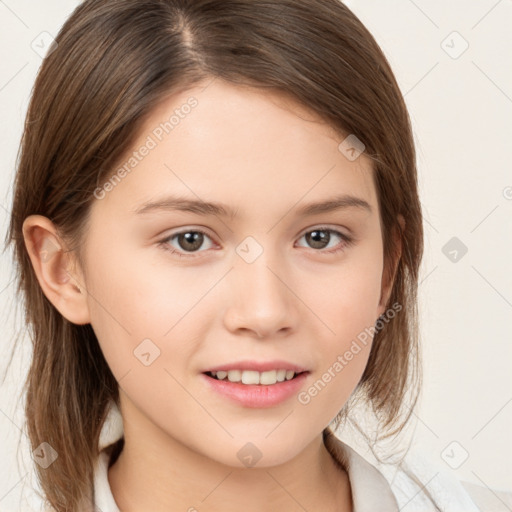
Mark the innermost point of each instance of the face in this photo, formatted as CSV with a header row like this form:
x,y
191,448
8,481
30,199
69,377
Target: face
x,y
259,282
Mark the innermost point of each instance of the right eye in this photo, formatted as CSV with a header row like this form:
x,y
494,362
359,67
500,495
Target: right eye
x,y
188,241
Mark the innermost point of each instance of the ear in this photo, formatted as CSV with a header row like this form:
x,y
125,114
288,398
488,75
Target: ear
x,y
389,272
56,269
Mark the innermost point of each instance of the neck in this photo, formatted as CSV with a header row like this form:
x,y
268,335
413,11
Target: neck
x,y
182,479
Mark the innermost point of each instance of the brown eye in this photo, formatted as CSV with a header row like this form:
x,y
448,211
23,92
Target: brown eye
x,y
320,238
189,241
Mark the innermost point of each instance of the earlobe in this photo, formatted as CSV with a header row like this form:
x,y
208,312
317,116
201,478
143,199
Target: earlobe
x,y
54,267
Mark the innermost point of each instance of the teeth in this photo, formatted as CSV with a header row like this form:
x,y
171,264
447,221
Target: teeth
x,y
269,377
252,377
234,375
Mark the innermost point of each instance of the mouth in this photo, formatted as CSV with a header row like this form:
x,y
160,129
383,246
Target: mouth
x,y
256,389
253,377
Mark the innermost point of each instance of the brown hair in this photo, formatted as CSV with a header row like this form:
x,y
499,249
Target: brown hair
x,y
117,59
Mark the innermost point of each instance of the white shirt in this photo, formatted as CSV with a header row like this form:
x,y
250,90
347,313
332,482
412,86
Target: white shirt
x,y
373,490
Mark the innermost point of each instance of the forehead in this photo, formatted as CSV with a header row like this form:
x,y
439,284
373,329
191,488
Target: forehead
x,y
245,147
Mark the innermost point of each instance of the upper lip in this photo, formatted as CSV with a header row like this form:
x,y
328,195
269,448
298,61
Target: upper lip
x,y
259,366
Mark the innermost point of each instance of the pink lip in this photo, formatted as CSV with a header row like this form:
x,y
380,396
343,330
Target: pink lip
x,y
257,395
259,366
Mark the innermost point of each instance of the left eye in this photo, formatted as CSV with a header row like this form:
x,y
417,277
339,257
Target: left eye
x,y
321,237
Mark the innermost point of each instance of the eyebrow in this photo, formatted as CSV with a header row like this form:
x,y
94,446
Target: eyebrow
x,y
199,207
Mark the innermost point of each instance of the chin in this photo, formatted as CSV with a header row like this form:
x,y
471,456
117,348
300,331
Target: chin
x,y
258,452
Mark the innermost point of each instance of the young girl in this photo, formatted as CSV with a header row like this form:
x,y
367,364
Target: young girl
x,y
218,232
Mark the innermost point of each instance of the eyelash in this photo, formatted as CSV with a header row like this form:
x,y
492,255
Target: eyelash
x,y
346,241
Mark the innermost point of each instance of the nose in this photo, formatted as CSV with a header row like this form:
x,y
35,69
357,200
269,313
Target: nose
x,y
261,300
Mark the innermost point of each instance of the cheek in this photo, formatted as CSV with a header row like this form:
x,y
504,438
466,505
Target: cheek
x,y
133,298
344,347
345,297
335,381
346,301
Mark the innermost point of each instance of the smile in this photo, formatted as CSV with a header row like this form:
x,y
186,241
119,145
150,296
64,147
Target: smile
x,y
251,377
253,389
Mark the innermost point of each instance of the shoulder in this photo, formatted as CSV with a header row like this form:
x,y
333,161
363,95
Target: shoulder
x,y
415,484
487,499
420,485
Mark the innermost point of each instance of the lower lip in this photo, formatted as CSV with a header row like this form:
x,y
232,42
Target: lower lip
x,y
257,395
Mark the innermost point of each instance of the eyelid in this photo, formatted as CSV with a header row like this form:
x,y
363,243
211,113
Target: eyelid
x,y
326,227
188,229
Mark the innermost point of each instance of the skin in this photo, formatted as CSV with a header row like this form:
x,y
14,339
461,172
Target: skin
x,y
265,156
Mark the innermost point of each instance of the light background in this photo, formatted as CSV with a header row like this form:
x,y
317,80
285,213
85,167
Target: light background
x,y
461,110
